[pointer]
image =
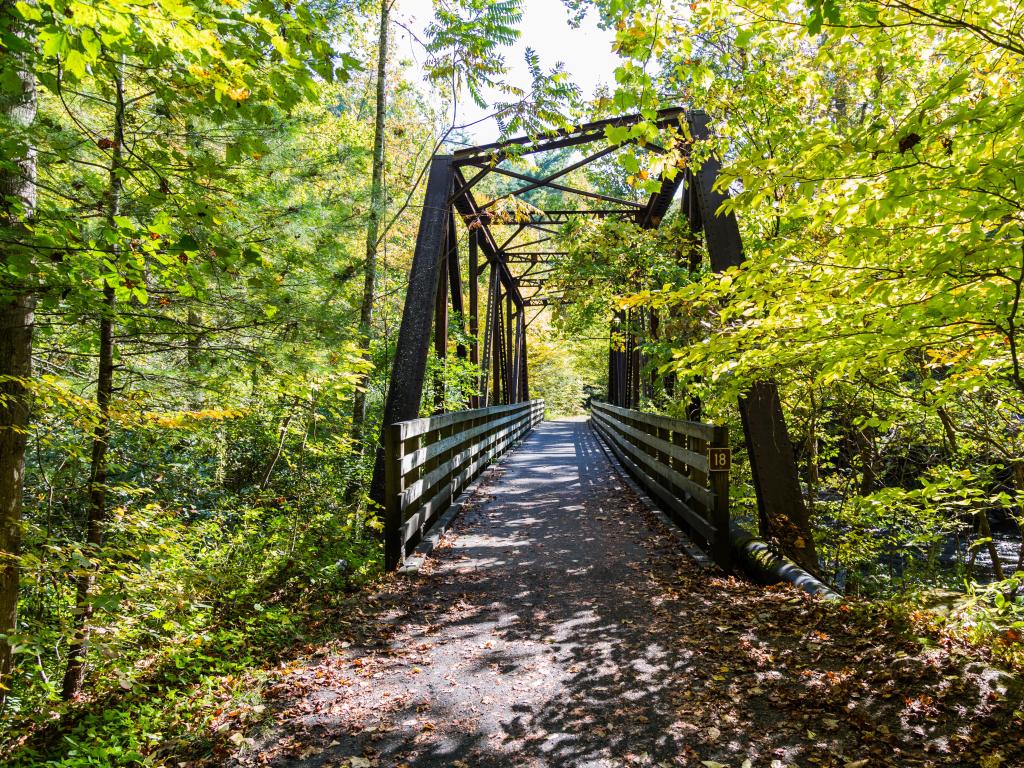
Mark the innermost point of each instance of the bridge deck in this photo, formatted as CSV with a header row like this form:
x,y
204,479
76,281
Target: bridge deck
x,y
562,626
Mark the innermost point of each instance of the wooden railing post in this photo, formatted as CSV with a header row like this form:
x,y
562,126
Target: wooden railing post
x,y
719,465
393,487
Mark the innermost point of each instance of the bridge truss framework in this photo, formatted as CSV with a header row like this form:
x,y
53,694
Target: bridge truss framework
x,y
511,256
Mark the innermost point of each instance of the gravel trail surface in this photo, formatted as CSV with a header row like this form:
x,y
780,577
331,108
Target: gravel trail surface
x,y
560,624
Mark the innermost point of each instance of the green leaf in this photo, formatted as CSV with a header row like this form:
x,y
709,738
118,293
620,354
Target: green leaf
x,y
28,12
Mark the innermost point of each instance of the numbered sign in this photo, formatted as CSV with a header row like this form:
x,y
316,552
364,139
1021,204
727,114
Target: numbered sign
x,y
719,459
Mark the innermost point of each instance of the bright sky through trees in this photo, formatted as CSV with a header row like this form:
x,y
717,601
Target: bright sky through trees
x,y
586,52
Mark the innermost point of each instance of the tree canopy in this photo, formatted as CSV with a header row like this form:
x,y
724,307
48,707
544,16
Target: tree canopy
x,y
208,214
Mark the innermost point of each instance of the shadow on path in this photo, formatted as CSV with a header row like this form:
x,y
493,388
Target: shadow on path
x,y
560,625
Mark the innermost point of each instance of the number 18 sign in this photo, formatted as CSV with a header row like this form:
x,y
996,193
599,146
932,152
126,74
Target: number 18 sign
x,y
719,459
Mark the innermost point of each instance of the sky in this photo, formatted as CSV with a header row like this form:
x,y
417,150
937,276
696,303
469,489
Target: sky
x,y
586,52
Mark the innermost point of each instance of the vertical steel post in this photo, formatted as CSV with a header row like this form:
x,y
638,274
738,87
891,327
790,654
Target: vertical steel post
x,y
524,391
498,372
772,463
487,359
455,283
507,350
516,347
474,311
405,388
441,329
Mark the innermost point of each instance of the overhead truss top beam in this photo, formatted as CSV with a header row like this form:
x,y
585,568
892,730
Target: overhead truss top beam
x,y
584,134
486,159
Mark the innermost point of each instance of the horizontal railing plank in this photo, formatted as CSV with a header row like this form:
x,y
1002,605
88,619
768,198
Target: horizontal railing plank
x,y
417,458
698,492
436,475
654,485
638,440
423,517
696,460
695,429
417,427
464,443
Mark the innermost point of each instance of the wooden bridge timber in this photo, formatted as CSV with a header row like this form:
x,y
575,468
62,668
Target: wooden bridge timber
x,y
511,269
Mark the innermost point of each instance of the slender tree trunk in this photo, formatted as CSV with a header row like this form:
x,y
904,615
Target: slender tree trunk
x,y
813,474
78,650
985,529
17,182
949,431
283,430
865,439
377,203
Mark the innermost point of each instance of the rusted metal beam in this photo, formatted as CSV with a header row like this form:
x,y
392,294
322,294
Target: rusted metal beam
x,y
772,461
472,267
546,181
534,257
564,188
441,326
553,218
487,357
471,214
506,248
545,302
455,283
513,236
563,138
405,387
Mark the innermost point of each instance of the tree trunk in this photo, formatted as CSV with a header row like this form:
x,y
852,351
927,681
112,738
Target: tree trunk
x,y
17,302
813,474
865,439
283,431
377,203
949,432
985,529
78,650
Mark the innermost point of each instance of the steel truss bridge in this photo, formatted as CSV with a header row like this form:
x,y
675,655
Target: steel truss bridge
x,y
509,265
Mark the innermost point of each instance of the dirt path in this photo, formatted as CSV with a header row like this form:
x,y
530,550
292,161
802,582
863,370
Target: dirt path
x,y
560,625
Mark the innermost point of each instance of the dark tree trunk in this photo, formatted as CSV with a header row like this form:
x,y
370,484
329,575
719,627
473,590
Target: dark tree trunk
x,y
17,182
377,203
75,673
78,650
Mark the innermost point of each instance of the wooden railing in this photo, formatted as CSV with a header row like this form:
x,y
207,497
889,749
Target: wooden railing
x,y
684,464
428,462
